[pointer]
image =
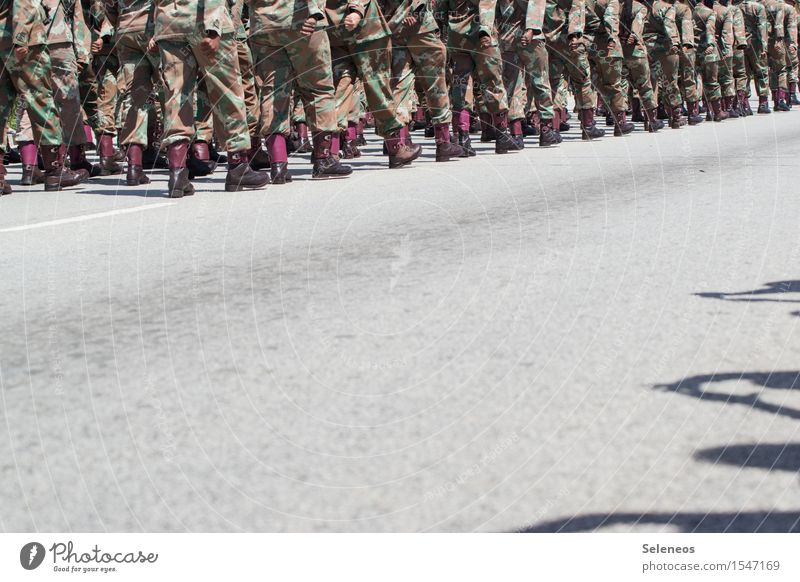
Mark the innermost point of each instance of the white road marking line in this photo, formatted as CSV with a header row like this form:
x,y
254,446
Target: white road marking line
x,y
86,217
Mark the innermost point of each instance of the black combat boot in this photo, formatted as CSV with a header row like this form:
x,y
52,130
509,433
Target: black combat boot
x,y
5,187
717,112
637,115
200,163
56,175
548,136
622,125
108,164
179,184
241,176
444,149
325,158
652,123
589,129
763,105
135,175
80,165
259,158
693,113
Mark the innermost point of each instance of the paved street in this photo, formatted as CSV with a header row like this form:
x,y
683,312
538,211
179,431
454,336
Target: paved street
x,y
602,335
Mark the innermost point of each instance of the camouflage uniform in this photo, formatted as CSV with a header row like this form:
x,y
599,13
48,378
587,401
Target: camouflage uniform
x,y
139,75
689,57
739,46
601,33
790,29
776,52
525,66
23,25
564,23
286,59
636,66
663,45
366,52
755,26
418,58
181,30
469,22
705,27
724,34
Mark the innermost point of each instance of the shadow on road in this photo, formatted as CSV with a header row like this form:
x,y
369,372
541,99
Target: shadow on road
x,y
760,456
696,387
771,292
743,522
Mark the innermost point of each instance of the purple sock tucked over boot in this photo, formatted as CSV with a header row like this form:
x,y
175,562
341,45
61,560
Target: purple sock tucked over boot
x,y
276,145
516,127
352,131
28,153
335,145
442,133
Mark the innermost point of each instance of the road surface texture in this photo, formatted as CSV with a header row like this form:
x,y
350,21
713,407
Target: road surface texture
x,y
599,336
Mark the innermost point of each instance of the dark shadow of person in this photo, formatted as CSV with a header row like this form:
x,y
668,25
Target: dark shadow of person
x,y
776,288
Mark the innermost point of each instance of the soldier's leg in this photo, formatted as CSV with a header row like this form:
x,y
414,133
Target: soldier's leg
x,y
670,65
224,85
251,103
402,82
7,96
535,66
33,83
777,76
136,79
640,80
712,89
373,61
104,119
344,75
429,57
687,75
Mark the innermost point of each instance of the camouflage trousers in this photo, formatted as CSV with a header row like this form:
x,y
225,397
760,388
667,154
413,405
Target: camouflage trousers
x,y
420,60
739,71
574,66
664,68
181,65
526,72
776,54
606,67
687,74
139,75
709,67
287,61
791,63
636,73
98,84
756,67
727,83
66,92
372,63
469,57
298,111
204,119
30,82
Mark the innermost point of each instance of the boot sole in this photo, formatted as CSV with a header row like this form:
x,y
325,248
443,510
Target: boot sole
x,y
241,187
136,182
331,176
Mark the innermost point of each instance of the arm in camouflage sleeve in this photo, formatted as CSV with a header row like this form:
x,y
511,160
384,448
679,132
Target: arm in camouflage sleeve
x,y
739,34
534,17
778,30
637,25
611,19
576,19
486,11
213,15
763,25
24,18
111,12
711,29
670,27
727,34
81,34
686,29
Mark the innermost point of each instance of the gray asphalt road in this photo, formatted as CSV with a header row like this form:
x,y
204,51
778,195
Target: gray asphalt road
x,y
598,336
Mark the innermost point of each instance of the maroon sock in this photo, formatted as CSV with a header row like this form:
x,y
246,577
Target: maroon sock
x,y
352,131
276,145
28,153
135,154
516,127
335,145
442,132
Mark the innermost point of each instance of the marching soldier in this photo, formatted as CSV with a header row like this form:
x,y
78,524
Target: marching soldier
x,y
705,34
291,49
525,57
196,36
632,18
664,45
361,47
472,42
755,26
